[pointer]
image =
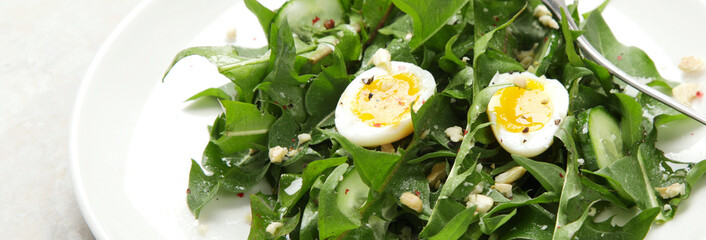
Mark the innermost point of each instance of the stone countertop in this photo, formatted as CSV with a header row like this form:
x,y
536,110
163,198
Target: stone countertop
x,y
46,48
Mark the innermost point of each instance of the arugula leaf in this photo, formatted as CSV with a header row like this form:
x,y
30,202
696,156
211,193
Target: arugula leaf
x,y
549,175
202,188
283,56
636,228
411,178
530,222
374,167
263,214
481,44
244,127
216,55
305,180
488,224
433,118
264,15
631,121
323,94
225,92
399,28
444,211
632,60
236,172
428,16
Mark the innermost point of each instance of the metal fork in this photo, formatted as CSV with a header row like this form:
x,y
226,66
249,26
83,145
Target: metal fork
x,y
555,6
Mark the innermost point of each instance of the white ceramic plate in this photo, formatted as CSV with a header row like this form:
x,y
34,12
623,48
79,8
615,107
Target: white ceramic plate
x,y
132,135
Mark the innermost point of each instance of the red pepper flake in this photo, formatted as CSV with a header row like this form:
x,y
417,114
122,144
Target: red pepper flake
x,y
620,57
276,102
316,19
495,25
425,101
293,140
692,134
284,107
699,93
188,191
482,34
240,194
329,24
497,19
418,194
376,125
346,191
545,39
561,175
465,131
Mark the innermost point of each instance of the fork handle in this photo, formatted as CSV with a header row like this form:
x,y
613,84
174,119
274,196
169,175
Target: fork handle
x,y
592,54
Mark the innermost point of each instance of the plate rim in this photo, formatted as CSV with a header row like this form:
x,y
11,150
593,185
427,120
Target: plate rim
x,y
96,228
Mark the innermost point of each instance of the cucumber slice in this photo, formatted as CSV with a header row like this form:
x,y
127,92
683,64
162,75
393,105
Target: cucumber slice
x,y
600,138
351,193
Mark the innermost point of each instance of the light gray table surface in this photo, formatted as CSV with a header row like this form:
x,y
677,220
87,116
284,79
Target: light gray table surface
x,y
45,49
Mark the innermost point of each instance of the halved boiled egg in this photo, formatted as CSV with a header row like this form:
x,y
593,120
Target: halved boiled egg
x,y
375,107
528,113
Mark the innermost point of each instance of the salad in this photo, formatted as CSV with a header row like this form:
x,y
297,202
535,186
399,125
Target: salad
x,y
449,119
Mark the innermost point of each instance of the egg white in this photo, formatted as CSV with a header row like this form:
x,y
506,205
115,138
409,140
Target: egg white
x,y
362,134
535,142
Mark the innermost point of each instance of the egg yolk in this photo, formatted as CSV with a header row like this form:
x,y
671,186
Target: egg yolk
x,y
523,109
385,100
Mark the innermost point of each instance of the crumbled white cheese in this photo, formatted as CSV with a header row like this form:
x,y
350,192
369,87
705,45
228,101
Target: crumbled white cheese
x,y
580,161
519,81
549,22
381,59
412,201
304,137
230,35
437,174
592,211
671,191
273,227
483,203
454,133
526,57
511,175
541,10
248,218
277,154
292,152
479,167
504,188
465,59
388,148
544,227
667,207
202,229
477,189
685,92
691,64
